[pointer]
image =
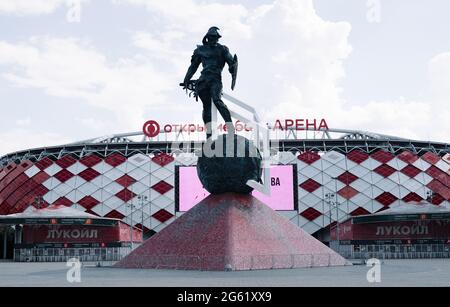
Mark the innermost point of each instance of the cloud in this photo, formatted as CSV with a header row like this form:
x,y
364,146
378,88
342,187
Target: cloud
x,y
288,54
194,16
426,120
22,138
72,68
35,7
26,7
439,77
23,121
294,57
291,66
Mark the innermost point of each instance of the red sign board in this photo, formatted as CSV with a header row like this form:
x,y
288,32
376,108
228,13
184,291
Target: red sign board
x,y
78,234
423,229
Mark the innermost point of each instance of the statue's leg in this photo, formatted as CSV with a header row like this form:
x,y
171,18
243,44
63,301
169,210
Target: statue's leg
x,y
216,93
205,97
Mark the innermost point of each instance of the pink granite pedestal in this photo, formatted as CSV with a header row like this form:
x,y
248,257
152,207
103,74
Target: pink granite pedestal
x,y
231,232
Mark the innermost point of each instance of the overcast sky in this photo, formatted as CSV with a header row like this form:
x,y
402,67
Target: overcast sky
x,y
69,74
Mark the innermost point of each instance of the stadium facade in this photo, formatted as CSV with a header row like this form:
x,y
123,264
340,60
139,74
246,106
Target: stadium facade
x,y
338,174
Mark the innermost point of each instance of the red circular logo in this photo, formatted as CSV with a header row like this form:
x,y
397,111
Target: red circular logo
x,y
151,128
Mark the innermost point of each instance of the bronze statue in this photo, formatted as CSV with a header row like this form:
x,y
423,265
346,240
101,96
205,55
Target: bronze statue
x,y
208,87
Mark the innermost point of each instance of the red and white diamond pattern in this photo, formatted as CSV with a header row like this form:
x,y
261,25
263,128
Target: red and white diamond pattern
x,y
107,186
362,184
366,183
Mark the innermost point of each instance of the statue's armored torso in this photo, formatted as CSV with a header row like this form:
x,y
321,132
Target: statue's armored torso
x,y
213,60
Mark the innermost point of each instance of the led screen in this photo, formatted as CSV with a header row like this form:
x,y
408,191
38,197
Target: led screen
x,y
191,192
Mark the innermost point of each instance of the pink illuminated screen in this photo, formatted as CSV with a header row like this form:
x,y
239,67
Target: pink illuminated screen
x,y
191,192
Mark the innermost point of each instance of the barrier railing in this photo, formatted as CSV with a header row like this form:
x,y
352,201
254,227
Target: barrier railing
x,y
394,255
100,255
408,255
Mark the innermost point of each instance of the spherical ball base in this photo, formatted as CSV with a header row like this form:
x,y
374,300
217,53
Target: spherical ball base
x,y
227,163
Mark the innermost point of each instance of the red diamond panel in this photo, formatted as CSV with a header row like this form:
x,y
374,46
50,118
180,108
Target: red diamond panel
x,y
347,192
412,197
382,156
19,193
437,199
89,174
43,164
384,170
446,158
310,214
411,171
408,157
125,195
357,156
144,229
62,201
66,161
115,159
90,160
435,186
359,211
431,157
125,181
40,191
386,199
40,177
63,175
347,178
162,187
439,188
88,202
115,215
4,210
162,215
436,173
308,157
163,159
310,185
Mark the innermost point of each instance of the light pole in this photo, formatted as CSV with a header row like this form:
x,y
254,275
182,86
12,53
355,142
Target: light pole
x,y
331,200
430,195
131,206
336,204
142,200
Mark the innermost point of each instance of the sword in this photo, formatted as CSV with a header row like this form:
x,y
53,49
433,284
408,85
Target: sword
x,y
234,71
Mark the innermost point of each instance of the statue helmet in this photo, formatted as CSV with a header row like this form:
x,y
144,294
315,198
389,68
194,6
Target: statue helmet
x,y
212,32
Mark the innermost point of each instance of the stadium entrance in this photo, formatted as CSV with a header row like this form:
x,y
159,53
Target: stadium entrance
x,y
58,233
6,243
419,230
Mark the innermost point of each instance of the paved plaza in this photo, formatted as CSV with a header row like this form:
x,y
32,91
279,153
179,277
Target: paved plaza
x,y
433,272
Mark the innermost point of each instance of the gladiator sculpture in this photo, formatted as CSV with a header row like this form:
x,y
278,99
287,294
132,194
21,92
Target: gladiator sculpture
x,y
208,87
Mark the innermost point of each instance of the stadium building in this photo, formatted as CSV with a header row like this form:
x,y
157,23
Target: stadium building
x,y
318,177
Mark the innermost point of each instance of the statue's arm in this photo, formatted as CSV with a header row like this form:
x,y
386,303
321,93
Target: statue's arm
x,y
195,63
229,59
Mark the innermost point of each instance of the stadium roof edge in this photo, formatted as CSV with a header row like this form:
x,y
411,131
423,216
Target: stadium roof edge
x,y
347,134
293,145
